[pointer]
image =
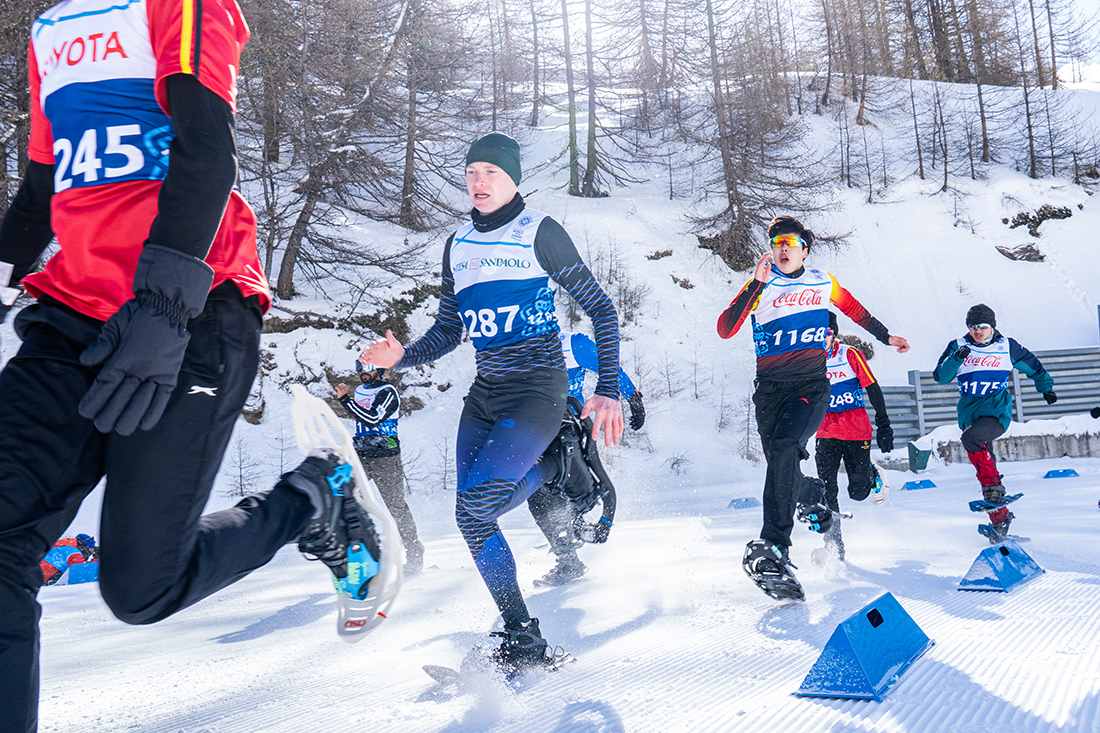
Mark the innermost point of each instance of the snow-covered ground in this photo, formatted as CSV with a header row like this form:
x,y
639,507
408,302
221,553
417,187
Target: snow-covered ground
x,y
668,632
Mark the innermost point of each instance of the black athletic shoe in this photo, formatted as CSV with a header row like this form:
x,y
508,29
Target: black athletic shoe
x,y
522,648
770,568
568,569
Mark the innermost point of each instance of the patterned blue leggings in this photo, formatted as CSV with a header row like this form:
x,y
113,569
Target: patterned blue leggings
x,y
506,424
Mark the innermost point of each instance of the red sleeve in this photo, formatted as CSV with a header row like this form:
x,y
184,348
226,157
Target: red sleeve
x,y
202,38
744,304
852,308
40,148
859,365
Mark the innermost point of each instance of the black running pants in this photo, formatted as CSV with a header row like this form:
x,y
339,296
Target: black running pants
x,y
158,554
787,414
856,455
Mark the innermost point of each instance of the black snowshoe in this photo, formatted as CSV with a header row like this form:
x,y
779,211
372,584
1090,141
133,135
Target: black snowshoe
x,y
521,650
340,534
770,568
581,477
568,569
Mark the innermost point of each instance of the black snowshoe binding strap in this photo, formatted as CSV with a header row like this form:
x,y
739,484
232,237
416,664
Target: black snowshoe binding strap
x,y
583,479
811,507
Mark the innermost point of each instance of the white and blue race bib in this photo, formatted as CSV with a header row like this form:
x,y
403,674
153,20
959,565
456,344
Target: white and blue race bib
x,y
97,75
986,369
845,391
502,291
792,314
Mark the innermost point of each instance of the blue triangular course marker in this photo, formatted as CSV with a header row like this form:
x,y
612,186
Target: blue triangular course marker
x,y
867,654
747,502
1060,473
1001,568
914,485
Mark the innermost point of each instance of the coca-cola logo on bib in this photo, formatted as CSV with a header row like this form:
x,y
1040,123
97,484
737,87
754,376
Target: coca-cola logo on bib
x,y
806,296
983,361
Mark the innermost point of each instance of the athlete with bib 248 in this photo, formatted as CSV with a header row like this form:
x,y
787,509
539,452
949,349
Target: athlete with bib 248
x,y
143,344
789,304
496,273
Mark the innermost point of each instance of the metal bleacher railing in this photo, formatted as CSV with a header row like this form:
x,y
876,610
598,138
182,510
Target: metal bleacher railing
x,y
922,405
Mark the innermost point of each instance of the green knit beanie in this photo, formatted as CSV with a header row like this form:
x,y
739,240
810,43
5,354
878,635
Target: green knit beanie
x,y
499,150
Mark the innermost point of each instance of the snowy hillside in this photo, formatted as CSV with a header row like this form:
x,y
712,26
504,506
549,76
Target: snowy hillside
x,y
668,632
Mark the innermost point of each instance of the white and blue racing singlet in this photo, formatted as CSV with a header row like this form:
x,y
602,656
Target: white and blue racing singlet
x,y
845,390
986,370
792,314
501,290
365,397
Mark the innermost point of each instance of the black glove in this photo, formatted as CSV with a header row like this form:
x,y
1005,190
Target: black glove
x,y
1050,397
1095,412
885,438
962,352
637,411
141,347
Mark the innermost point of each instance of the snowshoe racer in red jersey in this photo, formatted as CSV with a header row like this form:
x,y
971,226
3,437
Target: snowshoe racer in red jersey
x,y
144,341
789,306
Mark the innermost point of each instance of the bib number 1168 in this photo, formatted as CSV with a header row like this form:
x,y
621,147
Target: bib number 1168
x,y
806,336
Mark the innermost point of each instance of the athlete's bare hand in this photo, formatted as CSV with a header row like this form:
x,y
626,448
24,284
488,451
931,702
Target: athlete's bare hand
x,y
342,390
607,414
899,342
763,265
383,352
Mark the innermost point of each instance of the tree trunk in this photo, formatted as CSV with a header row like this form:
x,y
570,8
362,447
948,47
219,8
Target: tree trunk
x,y
979,71
915,51
534,121
494,63
1033,165
1053,54
285,286
574,153
269,115
732,195
916,130
663,80
941,44
592,158
797,65
882,28
865,62
962,64
1038,51
781,66
828,54
406,217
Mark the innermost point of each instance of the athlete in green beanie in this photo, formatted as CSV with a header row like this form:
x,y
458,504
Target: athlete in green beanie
x,y
500,150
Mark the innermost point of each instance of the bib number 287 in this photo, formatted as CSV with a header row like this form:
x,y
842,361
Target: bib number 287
x,y
483,323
